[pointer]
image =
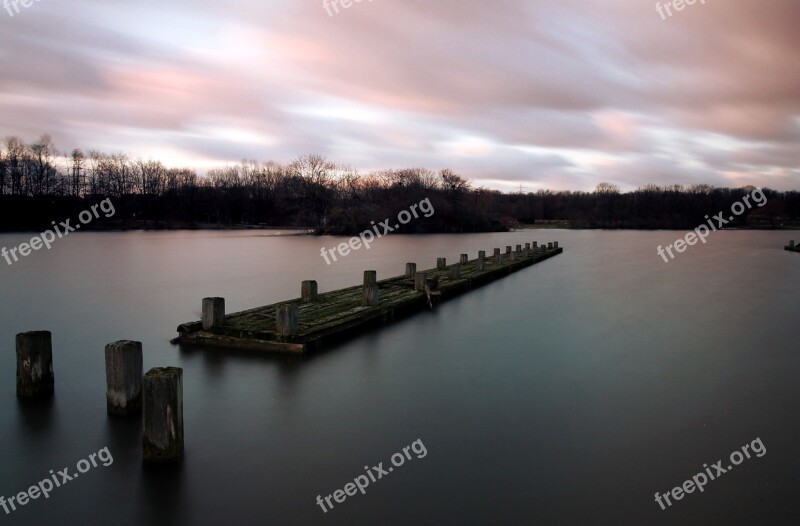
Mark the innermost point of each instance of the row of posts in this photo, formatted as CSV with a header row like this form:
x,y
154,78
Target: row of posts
x,y
287,315
159,392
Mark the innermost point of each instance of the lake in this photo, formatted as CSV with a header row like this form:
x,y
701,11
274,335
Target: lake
x,y
567,393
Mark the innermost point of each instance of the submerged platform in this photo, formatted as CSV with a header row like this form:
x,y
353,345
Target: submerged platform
x,y
307,323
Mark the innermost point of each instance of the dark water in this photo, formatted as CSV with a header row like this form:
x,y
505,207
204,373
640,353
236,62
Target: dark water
x,y
568,393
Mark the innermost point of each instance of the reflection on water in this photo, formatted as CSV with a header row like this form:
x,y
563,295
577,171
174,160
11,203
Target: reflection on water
x,y
567,393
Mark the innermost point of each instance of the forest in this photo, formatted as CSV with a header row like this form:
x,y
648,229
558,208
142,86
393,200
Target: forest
x,y
39,184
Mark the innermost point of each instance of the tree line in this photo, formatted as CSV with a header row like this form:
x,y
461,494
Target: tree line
x,y
39,184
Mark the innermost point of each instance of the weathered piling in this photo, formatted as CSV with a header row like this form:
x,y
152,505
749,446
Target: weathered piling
x,y
464,259
213,313
527,249
536,245
162,439
550,245
420,280
791,245
455,271
519,249
498,257
369,297
35,364
481,255
287,320
441,263
124,377
411,270
309,291
555,244
508,249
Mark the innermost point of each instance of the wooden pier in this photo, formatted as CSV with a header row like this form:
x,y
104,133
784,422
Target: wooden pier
x,y
307,323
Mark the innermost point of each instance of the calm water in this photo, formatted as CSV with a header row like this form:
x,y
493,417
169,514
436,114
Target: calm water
x,y
568,393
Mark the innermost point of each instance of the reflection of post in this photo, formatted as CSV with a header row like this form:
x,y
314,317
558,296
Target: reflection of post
x,y
34,364
162,440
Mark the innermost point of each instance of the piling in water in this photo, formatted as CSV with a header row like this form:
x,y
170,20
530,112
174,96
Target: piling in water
x,y
369,296
35,364
124,377
420,280
287,320
411,270
441,263
309,290
464,259
213,313
162,439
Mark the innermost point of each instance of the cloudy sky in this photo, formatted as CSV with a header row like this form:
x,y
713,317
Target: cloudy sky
x,y
558,94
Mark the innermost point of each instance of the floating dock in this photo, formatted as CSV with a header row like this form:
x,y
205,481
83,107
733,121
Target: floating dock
x,y
314,319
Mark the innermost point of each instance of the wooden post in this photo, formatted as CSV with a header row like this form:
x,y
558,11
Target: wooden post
x,y
287,319
411,270
420,280
162,439
455,271
481,254
464,259
441,263
481,264
369,297
555,244
35,364
519,249
550,246
309,291
527,249
508,249
791,245
512,256
498,257
536,245
213,313
124,371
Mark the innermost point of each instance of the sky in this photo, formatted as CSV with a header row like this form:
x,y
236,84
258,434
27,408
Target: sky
x,y
513,94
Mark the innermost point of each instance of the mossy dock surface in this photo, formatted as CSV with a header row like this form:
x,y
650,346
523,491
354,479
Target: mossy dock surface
x,y
342,313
